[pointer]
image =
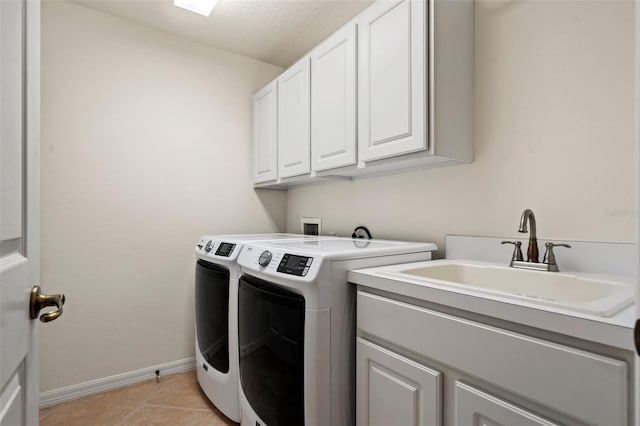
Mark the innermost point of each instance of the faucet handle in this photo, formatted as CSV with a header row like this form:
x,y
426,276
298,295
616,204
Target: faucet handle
x,y
517,251
550,257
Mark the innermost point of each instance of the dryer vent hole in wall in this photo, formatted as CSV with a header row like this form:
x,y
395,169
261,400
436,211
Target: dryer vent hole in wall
x,y
311,225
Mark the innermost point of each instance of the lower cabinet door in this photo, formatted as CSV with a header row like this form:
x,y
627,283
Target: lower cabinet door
x,y
394,390
477,408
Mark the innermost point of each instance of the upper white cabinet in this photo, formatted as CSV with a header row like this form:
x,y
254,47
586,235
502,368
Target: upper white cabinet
x,y
294,132
265,134
392,62
415,84
391,90
333,101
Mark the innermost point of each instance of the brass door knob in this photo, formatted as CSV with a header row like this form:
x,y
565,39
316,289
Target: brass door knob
x,y
39,301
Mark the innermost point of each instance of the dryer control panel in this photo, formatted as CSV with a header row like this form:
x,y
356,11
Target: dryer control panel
x,y
209,248
225,249
295,265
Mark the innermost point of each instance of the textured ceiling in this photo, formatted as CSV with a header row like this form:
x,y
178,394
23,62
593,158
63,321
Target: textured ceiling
x,y
274,31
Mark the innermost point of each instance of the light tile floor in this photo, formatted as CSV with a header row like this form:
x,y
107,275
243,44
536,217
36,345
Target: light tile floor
x,y
175,400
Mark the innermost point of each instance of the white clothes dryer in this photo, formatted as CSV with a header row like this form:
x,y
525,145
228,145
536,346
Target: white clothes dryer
x,y
296,325
216,295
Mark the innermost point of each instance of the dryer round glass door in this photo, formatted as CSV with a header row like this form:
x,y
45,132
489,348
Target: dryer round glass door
x,y
212,314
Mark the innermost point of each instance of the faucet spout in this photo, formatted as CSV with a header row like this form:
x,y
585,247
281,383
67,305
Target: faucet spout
x,y
528,218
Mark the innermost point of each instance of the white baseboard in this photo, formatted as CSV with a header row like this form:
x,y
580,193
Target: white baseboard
x,y
68,393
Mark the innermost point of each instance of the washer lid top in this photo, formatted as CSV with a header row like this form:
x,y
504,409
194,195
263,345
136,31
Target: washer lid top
x,y
345,248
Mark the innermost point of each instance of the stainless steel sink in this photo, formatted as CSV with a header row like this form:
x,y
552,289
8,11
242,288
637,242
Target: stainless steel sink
x,y
575,292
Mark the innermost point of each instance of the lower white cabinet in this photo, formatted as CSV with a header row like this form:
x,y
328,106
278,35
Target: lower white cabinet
x,y
420,366
393,390
477,408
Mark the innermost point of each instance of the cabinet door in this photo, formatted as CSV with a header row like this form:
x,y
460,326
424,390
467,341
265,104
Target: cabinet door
x,y
294,131
392,55
581,384
333,101
393,390
476,408
265,134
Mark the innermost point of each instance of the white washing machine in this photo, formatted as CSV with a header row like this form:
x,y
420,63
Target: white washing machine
x,y
216,287
296,325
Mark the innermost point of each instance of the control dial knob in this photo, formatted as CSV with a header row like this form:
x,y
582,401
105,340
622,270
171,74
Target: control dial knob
x,y
265,258
208,247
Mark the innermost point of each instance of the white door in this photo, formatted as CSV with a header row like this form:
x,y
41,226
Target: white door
x,y
333,101
19,211
637,135
392,64
265,134
294,121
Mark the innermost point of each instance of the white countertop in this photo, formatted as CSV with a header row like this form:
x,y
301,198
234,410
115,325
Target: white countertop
x,y
616,331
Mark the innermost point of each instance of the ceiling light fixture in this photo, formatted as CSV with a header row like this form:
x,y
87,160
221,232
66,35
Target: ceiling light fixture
x,y
201,7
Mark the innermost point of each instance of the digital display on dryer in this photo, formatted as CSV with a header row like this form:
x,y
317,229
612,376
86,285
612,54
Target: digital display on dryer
x,y
225,249
295,265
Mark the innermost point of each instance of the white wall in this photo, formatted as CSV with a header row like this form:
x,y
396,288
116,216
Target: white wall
x,y
554,126
146,145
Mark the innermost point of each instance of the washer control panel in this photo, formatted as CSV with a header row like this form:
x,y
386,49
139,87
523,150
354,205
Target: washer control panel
x,y
295,265
271,261
265,258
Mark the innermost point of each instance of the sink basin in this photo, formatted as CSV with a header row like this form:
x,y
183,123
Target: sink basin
x,y
579,293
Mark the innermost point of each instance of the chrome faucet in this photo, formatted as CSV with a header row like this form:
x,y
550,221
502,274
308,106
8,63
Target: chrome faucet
x,y
532,249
